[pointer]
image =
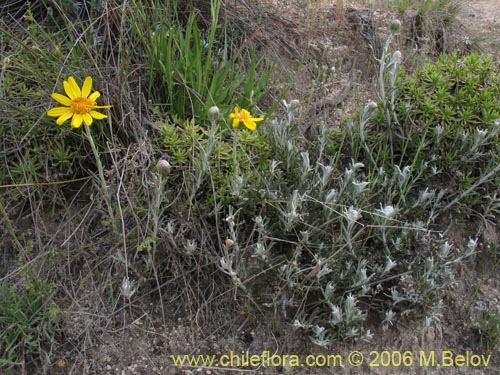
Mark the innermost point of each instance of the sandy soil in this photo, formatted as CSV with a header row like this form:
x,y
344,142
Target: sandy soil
x,y
481,16
482,19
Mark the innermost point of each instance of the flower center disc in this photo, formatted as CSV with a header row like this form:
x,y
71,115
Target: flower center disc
x,y
82,105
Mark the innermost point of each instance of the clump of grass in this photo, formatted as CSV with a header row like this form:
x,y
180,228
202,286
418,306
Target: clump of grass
x,y
488,329
428,21
27,327
190,68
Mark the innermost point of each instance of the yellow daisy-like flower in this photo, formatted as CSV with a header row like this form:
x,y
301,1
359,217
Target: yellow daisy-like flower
x,y
245,117
78,105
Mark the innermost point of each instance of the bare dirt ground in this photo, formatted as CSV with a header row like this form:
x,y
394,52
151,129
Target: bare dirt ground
x,y
482,19
481,16
144,345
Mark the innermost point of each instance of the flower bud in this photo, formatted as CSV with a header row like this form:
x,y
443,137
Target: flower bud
x,y
371,106
229,244
395,26
128,288
6,62
213,113
163,166
294,103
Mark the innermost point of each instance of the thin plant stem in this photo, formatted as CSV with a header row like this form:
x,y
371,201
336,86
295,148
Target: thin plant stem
x,y
482,180
104,186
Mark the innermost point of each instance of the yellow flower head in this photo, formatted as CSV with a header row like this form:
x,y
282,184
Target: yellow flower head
x,y
245,117
78,104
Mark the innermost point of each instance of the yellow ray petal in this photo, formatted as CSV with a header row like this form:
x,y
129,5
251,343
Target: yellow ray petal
x,y
95,95
87,119
97,115
71,88
244,113
87,86
64,100
250,124
64,117
235,113
77,120
59,111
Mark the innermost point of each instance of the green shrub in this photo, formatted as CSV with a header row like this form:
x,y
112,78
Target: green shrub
x,y
443,121
218,165
456,93
305,227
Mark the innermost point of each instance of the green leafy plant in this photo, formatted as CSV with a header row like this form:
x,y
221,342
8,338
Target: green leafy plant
x,y
221,166
191,68
442,120
488,329
457,93
341,238
26,323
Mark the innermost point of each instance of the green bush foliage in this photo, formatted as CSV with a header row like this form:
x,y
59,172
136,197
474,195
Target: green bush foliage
x,y
217,164
456,93
305,230
444,119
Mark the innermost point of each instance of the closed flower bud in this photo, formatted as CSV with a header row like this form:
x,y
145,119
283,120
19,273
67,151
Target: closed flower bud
x,y
164,166
213,113
395,26
371,106
229,243
6,62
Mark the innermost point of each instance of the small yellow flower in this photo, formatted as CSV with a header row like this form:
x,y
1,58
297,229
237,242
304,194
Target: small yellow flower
x,y
245,117
78,104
